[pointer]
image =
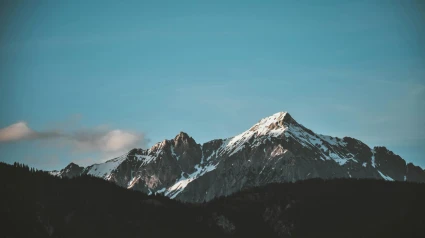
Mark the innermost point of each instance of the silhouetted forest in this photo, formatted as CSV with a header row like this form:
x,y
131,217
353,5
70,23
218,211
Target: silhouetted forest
x,y
35,204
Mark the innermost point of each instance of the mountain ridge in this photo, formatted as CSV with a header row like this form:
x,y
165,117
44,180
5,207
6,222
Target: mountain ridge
x,y
275,149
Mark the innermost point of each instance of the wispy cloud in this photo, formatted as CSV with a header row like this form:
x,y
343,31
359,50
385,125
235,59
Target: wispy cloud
x,y
106,140
21,131
109,142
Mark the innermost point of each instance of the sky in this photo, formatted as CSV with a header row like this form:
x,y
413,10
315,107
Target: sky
x,y
85,81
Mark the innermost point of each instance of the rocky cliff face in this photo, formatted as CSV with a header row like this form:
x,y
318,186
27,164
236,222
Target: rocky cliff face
x,y
414,173
275,149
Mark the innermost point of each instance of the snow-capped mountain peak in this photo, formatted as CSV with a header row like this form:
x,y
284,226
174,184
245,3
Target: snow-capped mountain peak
x,y
275,149
275,126
275,122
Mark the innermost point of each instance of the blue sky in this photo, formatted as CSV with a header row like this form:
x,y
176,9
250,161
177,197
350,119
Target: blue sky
x,y
77,75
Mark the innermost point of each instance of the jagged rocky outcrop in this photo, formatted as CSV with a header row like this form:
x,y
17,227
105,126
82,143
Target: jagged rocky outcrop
x,y
414,173
70,171
276,149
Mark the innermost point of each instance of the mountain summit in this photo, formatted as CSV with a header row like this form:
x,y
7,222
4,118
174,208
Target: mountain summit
x,y
275,149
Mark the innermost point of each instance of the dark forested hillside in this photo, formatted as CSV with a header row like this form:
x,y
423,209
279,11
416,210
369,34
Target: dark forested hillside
x,y
36,204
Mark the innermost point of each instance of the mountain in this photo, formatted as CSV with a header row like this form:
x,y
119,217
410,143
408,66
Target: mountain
x,y
276,149
71,170
36,204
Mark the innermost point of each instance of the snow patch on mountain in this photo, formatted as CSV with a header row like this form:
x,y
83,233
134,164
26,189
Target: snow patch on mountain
x,y
262,128
373,159
146,159
161,190
388,178
333,141
303,137
179,186
133,181
173,153
55,173
104,170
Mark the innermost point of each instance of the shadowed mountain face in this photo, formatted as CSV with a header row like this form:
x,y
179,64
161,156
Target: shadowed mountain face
x,y
71,170
36,204
276,149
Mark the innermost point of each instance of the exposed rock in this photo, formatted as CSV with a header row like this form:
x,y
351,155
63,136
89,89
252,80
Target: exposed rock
x,y
71,171
414,173
390,164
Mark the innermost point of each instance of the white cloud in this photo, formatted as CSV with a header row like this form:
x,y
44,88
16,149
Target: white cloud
x,y
117,139
98,139
106,141
16,132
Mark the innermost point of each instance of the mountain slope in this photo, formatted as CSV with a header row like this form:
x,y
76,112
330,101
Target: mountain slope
x,y
276,149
